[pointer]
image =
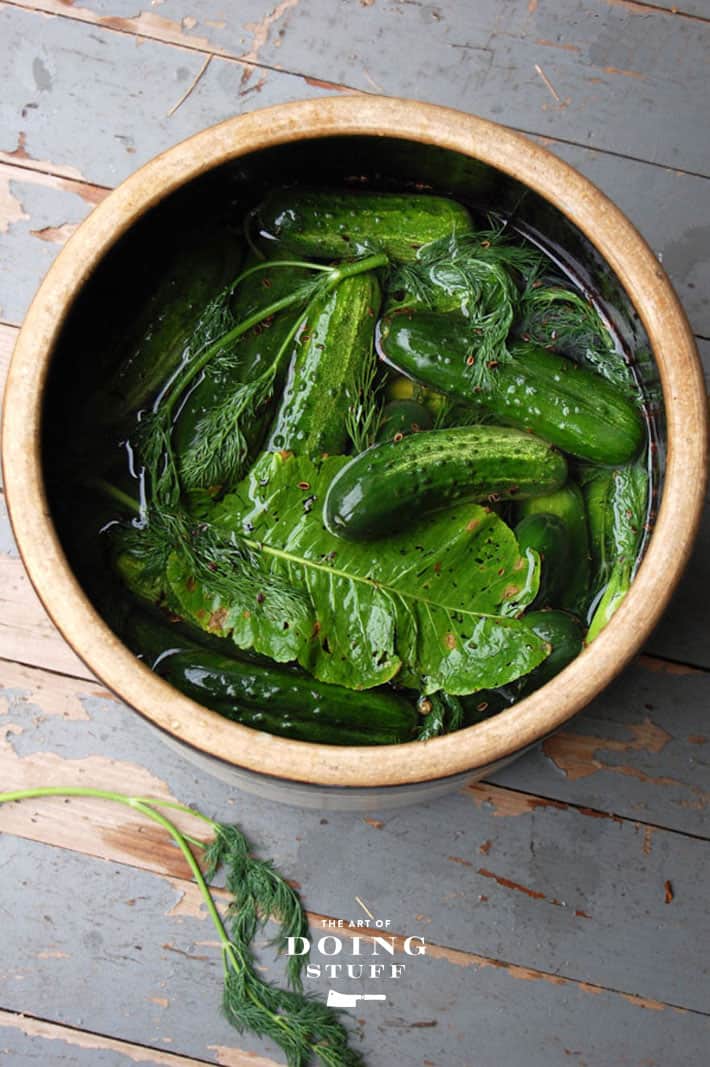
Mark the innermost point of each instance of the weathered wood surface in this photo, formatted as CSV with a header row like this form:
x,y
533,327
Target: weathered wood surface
x,y
601,74
442,1000
532,881
542,893
27,1041
40,213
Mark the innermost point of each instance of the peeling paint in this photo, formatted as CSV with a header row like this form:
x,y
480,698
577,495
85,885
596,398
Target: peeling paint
x,y
506,802
57,235
666,666
559,44
261,30
11,210
232,1057
625,73
96,1042
189,905
647,846
574,754
20,155
52,694
319,83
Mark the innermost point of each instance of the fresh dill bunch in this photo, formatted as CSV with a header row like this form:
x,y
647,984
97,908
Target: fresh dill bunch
x,y
565,321
478,275
305,1028
260,894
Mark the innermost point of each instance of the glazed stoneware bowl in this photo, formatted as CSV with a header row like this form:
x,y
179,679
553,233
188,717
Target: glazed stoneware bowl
x,y
386,143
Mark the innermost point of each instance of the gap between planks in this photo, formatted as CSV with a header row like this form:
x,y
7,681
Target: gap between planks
x,y
191,900
46,1030
148,26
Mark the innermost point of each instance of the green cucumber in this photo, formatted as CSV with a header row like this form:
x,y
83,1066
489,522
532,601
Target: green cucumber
x,y
619,518
568,505
341,225
394,484
402,417
280,700
536,390
254,353
563,632
548,535
330,362
156,340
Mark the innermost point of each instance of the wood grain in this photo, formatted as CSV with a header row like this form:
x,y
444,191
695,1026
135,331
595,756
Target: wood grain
x,y
152,946
578,80
34,1040
537,882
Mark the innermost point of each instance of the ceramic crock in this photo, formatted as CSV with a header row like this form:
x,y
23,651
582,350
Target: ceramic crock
x,y
387,143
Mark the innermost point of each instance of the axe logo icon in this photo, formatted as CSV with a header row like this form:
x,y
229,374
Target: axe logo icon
x,y
349,1000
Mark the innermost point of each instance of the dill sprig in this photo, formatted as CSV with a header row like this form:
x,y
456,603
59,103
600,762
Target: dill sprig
x,y
561,319
479,275
364,414
223,424
304,1028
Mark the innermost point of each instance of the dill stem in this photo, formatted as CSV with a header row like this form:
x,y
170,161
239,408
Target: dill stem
x,y
269,263
337,274
112,491
137,804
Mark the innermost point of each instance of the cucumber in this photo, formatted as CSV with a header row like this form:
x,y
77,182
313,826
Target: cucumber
x,y
537,390
568,505
328,369
156,340
280,700
564,634
548,535
341,225
255,352
619,506
393,484
402,417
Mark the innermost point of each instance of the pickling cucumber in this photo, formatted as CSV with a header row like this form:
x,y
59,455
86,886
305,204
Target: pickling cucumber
x,y
548,535
341,225
329,364
618,506
280,700
156,339
393,484
536,390
567,504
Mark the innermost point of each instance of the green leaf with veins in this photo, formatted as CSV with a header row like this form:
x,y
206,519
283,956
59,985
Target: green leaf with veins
x,y
434,606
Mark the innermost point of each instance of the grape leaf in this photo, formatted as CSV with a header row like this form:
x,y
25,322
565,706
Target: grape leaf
x,y
433,606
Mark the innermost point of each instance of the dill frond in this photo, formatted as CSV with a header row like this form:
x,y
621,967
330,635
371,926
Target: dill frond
x,y
563,320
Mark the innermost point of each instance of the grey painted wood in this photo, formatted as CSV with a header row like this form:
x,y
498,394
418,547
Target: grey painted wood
x,y
682,633
538,885
596,76
152,963
124,119
641,749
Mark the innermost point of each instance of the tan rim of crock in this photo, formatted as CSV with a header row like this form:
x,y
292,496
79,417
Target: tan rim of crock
x,y
539,714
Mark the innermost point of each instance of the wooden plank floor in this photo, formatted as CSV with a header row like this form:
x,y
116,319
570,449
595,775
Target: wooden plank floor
x,y
564,902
